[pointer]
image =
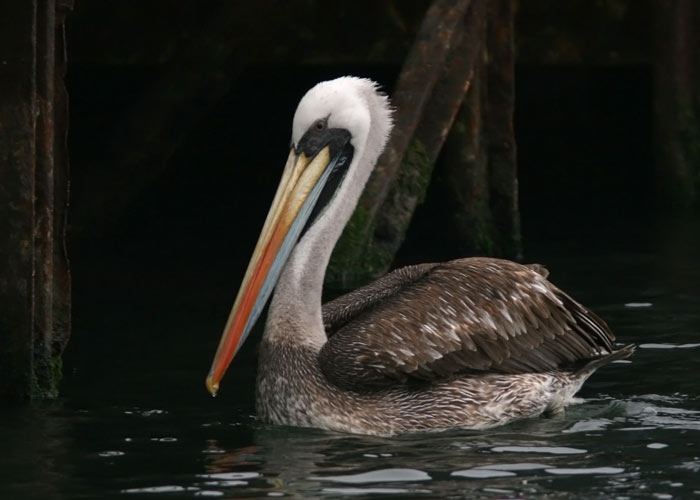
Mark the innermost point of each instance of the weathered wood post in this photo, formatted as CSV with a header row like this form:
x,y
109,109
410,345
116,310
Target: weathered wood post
x,y
676,65
34,276
446,59
479,157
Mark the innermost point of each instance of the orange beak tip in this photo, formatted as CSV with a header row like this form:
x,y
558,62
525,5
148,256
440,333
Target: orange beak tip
x,y
212,387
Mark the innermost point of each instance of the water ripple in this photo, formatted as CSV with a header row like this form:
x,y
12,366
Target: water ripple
x,y
668,346
170,488
378,476
480,473
553,450
585,470
372,491
647,411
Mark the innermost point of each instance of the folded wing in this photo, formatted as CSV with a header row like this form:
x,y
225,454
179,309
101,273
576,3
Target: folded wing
x,y
476,315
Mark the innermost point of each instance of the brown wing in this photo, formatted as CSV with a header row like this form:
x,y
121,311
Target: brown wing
x,y
343,310
435,320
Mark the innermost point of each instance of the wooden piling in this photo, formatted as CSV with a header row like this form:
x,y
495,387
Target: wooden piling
x,y
34,276
676,70
449,53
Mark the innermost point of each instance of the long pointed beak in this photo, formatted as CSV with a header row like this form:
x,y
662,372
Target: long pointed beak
x,y
302,182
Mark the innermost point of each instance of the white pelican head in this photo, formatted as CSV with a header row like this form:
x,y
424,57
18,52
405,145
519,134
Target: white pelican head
x,y
340,128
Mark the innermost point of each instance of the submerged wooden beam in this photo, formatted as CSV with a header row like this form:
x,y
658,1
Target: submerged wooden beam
x,y
34,278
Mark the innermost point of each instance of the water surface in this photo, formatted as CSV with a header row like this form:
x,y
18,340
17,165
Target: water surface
x,y
135,421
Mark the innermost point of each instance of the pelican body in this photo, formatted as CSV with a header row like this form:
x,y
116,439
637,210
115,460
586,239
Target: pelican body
x,y
471,343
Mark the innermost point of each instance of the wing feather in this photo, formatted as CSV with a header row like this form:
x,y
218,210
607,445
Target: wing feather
x,y
433,321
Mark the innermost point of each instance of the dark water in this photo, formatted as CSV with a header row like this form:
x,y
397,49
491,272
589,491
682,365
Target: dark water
x,y
135,421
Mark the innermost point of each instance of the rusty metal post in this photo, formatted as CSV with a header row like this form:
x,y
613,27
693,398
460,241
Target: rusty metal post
x,y
34,279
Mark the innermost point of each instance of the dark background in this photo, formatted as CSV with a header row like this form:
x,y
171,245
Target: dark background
x,y
182,238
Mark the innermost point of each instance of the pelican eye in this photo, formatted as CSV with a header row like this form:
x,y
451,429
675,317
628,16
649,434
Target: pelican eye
x,y
319,135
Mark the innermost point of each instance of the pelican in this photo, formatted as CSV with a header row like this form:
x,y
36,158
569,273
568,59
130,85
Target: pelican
x,y
471,343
